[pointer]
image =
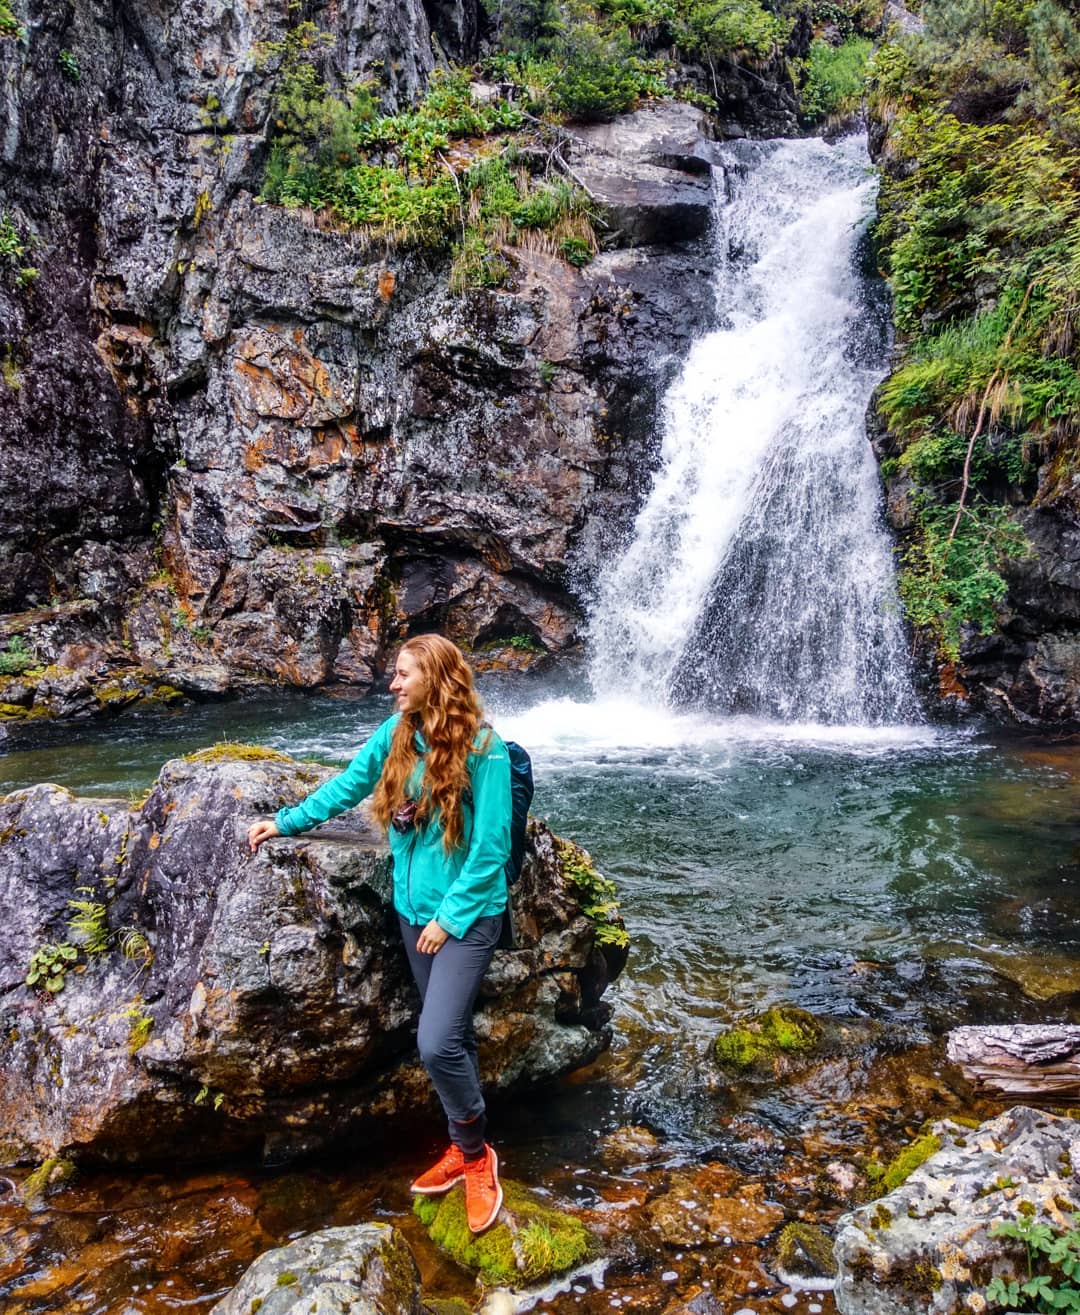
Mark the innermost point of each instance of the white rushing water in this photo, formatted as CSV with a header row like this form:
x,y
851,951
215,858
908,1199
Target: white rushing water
x,y
759,579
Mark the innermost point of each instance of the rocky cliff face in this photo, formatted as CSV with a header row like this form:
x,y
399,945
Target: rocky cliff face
x,y
201,1000
252,448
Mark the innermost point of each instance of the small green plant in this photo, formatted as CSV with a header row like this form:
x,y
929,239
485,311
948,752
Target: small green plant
x,y
835,79
140,1025
69,66
16,658
9,369
89,923
323,569
134,944
49,965
202,633
1053,1267
598,894
12,247
10,27
547,370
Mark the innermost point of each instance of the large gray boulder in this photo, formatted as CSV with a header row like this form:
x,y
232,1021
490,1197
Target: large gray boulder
x,y
926,1248
651,172
364,1269
240,1003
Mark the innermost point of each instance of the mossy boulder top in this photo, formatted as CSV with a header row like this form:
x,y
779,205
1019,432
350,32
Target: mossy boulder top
x,y
228,1002
759,1044
530,1241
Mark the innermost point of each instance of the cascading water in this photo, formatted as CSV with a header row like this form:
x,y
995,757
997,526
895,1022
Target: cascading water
x,y
759,578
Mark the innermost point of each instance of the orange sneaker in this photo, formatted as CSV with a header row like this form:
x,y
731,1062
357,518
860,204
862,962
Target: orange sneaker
x,y
442,1176
483,1192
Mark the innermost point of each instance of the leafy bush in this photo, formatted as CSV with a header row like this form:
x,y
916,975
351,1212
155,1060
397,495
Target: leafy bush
x,y
10,27
599,76
980,234
1053,1267
731,29
951,581
835,78
16,658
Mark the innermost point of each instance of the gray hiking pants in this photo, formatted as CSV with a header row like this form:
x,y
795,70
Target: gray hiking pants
x,y
449,981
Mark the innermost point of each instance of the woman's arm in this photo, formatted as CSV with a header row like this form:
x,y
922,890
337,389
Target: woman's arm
x,y
354,784
489,843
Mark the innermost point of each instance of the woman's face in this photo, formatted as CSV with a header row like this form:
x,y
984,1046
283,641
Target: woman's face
x,y
408,684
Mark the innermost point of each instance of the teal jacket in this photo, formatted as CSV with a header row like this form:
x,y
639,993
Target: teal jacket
x,y
457,889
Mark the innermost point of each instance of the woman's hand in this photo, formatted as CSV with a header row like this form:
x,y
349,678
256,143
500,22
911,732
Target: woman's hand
x,y
431,938
260,831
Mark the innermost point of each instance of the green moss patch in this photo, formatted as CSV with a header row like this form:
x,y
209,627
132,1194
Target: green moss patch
x,y
531,1242
226,752
806,1251
887,1178
783,1029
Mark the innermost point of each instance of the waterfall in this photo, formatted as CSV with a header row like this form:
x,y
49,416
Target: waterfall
x,y
759,578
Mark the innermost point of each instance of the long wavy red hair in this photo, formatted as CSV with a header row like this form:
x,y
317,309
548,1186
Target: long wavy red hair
x,y
449,720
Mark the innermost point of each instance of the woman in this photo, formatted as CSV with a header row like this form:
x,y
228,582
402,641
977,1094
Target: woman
x,y
439,782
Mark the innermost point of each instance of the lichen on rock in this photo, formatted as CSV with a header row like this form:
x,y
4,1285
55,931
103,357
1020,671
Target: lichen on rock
x,y
362,1269
529,1242
928,1247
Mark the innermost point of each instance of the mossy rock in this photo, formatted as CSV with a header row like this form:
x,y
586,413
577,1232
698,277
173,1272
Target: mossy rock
x,y
887,1178
781,1030
531,1242
48,1177
446,1306
229,753
804,1251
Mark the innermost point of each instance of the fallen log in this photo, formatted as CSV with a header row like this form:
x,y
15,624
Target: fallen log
x,y
1040,1061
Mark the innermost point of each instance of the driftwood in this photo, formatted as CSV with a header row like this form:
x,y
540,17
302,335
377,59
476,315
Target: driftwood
x,y
1029,1060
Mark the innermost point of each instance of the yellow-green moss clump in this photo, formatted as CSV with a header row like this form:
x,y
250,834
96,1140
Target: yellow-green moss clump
x,y
49,1174
781,1029
226,752
530,1242
887,1178
806,1251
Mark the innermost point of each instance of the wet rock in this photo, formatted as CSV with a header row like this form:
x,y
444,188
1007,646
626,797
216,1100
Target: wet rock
x,y
765,1044
698,1301
804,1256
238,1002
704,1207
529,1242
926,1247
629,1145
364,1269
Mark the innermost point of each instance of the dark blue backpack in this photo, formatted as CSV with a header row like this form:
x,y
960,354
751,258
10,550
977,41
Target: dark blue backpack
x,y
521,793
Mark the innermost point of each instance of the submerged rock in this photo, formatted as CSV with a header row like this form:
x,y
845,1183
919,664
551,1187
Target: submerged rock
x,y
364,1269
804,1256
926,1248
762,1043
529,1242
211,1001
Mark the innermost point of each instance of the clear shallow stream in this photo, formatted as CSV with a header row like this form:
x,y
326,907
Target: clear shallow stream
x,y
907,878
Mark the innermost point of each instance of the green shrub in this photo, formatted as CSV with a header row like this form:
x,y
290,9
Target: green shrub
x,y
16,658
835,78
10,27
599,76
732,29
950,583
